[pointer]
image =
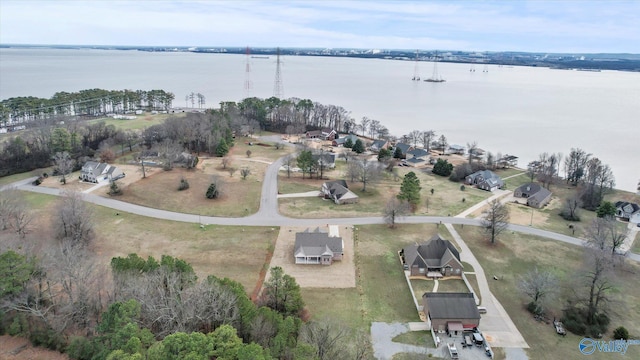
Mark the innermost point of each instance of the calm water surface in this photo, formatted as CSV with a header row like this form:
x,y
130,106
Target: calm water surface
x,y
517,110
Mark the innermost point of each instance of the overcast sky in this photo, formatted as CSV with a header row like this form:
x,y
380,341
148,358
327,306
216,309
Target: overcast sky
x,y
539,25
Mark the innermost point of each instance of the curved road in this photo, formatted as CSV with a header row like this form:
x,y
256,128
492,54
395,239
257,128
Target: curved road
x,y
268,214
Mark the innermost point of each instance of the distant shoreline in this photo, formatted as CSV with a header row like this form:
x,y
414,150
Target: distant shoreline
x,y
563,61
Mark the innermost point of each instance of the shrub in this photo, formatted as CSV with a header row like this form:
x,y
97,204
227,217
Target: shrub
x,y
18,326
442,168
47,338
81,348
114,188
184,184
534,308
575,320
212,191
462,188
621,333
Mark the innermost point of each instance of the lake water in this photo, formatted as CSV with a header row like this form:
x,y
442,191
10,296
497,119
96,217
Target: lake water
x,y
516,110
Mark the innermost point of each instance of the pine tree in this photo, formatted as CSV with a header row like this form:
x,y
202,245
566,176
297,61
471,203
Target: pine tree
x,y
410,190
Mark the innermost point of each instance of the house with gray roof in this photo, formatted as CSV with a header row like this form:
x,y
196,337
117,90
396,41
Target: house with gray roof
x,y
435,258
315,247
342,139
452,312
485,180
338,191
95,172
536,195
404,148
628,211
326,159
456,149
379,145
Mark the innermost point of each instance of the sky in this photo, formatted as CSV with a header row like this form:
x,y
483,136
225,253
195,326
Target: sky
x,y
584,26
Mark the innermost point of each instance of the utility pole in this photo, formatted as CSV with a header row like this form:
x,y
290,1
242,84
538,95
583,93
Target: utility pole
x,y
278,90
248,84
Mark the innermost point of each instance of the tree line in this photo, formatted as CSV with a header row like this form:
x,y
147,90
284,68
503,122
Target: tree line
x,y
90,102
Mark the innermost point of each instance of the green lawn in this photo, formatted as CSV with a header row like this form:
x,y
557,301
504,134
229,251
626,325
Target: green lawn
x,y
4,180
418,338
515,254
265,151
452,285
447,198
141,122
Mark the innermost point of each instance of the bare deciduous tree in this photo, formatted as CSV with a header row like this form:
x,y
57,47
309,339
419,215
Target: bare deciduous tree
x,y
63,164
496,219
471,148
327,339
427,139
73,219
540,287
603,234
571,208
14,212
415,136
368,172
288,162
394,209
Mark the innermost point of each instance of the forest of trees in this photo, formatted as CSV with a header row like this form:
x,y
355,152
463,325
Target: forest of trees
x,y
91,102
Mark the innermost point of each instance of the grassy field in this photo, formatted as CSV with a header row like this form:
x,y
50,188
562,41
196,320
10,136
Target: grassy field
x,y
549,217
17,177
264,151
214,250
240,197
141,122
447,198
515,254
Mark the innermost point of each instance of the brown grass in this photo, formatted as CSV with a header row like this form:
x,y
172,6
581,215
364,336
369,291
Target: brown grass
x,y
160,189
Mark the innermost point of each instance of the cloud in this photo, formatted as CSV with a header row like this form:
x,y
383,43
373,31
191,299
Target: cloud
x,y
602,26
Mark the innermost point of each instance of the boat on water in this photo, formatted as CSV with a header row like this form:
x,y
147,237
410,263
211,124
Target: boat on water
x,y
435,78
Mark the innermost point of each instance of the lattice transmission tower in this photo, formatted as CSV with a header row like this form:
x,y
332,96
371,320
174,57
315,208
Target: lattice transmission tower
x,y
248,84
278,89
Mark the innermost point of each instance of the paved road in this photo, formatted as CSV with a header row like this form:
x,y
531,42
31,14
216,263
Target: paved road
x,y
384,348
268,214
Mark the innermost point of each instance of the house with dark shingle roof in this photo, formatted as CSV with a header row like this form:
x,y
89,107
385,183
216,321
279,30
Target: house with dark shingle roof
x,y
338,191
434,259
326,159
379,145
342,139
317,248
485,180
324,134
536,195
628,211
404,148
453,312
94,172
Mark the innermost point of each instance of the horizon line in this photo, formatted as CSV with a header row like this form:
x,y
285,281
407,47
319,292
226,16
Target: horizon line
x,y
243,47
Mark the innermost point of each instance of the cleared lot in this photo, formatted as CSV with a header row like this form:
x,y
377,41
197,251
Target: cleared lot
x,y
340,274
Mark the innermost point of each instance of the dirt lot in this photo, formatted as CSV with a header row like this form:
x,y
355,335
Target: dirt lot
x,y
14,348
340,274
